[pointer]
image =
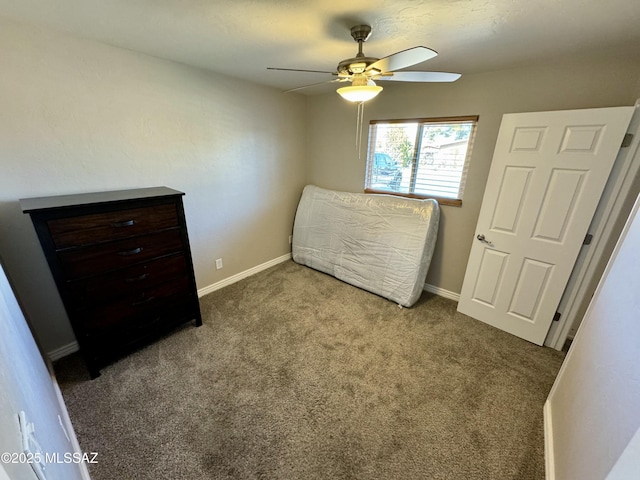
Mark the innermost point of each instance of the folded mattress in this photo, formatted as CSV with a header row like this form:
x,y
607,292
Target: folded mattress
x,y
380,243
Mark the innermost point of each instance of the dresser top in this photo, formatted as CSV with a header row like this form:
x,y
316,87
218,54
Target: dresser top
x,y
62,201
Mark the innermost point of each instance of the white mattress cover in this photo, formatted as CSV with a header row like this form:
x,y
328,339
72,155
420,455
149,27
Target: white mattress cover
x,y
380,243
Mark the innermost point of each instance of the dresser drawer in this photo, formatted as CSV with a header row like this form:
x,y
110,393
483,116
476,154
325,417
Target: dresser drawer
x,y
99,259
122,264
100,227
137,330
98,290
128,311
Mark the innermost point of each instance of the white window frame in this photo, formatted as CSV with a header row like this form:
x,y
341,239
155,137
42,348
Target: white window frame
x,y
421,122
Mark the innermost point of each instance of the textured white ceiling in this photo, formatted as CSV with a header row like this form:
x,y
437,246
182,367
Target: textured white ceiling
x,y
242,37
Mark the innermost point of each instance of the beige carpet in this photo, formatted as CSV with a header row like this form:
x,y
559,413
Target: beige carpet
x,y
296,375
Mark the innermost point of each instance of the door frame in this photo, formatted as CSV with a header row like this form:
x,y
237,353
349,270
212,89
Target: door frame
x,y
588,266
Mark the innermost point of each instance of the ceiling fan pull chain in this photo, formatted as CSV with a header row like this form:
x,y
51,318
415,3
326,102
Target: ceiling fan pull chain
x,y
359,126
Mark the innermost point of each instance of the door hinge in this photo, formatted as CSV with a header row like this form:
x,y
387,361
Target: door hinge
x,y
587,239
556,317
626,141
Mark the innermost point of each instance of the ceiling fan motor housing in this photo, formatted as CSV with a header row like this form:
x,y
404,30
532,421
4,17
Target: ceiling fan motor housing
x,y
361,71
351,66
359,63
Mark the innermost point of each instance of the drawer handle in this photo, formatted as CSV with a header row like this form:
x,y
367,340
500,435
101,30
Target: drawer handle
x,y
126,223
130,252
142,302
136,279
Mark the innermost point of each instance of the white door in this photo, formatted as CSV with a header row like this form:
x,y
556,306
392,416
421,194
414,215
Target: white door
x,y
548,172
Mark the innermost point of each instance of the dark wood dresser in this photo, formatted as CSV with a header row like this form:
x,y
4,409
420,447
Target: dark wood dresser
x,y
122,264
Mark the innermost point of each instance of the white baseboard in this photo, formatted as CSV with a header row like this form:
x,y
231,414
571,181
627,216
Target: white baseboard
x,y
63,351
73,346
65,422
239,276
441,292
272,263
548,443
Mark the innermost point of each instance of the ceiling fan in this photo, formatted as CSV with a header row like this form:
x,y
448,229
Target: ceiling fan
x,y
361,70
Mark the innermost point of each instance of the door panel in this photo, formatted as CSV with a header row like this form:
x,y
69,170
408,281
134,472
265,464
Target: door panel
x,y
489,276
513,191
532,277
546,178
558,205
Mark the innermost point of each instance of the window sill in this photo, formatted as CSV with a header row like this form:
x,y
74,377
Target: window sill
x,y
452,202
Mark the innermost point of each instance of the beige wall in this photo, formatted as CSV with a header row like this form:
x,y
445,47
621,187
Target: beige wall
x,y
81,116
26,385
570,84
591,414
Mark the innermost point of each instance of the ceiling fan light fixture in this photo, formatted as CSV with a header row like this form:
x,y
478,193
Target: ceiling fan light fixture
x,y
361,69
359,93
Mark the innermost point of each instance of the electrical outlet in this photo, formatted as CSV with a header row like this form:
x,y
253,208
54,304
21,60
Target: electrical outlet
x,y
30,446
218,264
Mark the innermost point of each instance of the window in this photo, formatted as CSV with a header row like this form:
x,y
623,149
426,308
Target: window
x,y
425,158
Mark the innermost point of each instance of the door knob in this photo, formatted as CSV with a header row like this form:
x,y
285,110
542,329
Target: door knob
x,y
482,238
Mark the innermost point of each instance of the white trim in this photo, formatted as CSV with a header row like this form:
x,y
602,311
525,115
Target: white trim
x,y
72,347
550,473
442,292
68,426
63,351
239,276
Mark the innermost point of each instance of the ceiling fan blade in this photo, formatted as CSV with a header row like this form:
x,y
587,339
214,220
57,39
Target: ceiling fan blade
x,y
403,59
418,77
317,83
300,70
